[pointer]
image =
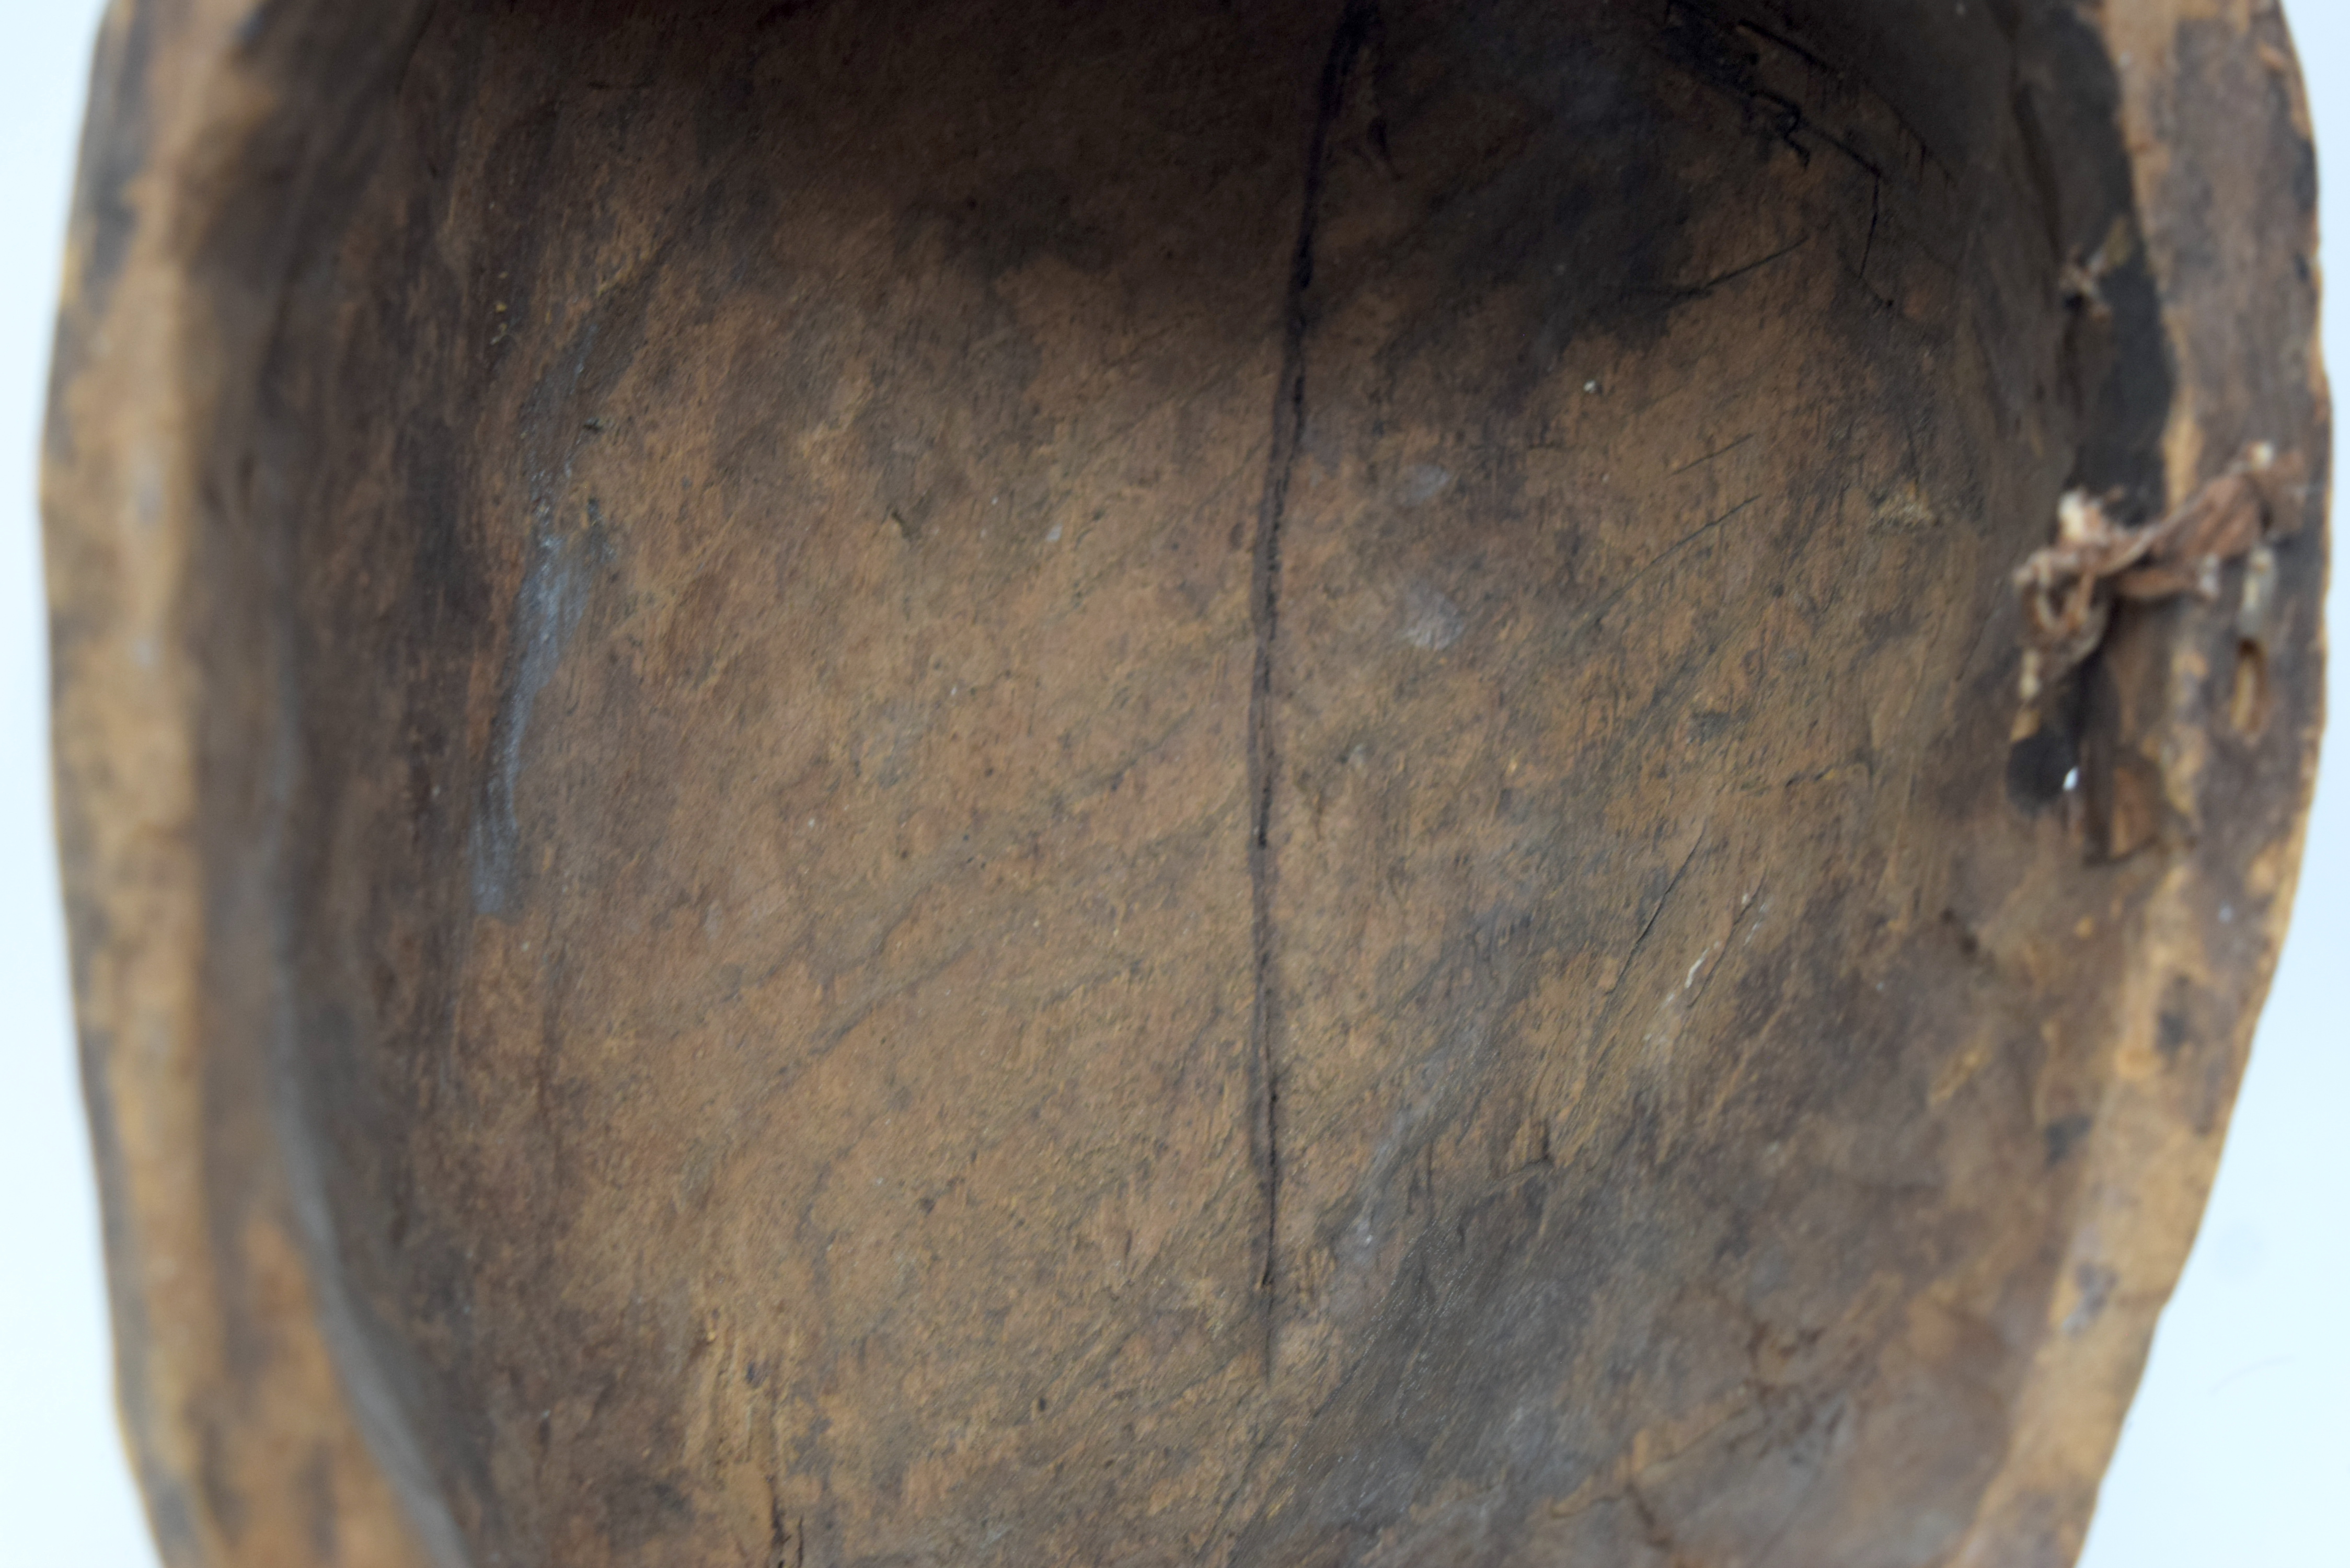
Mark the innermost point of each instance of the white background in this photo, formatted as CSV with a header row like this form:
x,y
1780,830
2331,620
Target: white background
x,y
2236,1452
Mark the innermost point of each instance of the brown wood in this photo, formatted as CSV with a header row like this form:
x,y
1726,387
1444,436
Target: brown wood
x,y
969,782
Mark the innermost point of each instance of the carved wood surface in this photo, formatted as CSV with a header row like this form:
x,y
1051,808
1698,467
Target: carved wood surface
x,y
981,783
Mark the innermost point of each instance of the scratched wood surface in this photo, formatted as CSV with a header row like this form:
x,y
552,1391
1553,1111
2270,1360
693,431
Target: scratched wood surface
x,y
971,782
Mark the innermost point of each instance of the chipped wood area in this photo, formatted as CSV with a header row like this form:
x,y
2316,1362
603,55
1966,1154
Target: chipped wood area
x,y
889,783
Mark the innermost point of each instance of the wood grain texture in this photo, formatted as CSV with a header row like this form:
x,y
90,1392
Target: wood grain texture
x,y
971,782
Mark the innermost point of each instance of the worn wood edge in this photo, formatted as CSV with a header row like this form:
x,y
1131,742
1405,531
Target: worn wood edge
x,y
133,383
2148,1171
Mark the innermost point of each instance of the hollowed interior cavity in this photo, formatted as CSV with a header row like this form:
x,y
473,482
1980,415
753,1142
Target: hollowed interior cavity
x,y
1114,782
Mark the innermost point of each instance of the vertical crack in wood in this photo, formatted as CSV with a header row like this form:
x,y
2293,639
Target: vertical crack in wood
x,y
1288,426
